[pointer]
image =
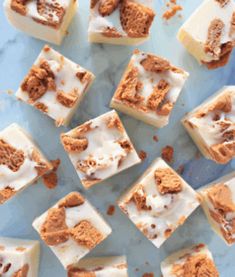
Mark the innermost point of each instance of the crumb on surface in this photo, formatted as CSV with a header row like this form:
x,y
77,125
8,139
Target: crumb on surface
x,y
143,155
155,138
168,153
172,9
50,180
111,210
151,274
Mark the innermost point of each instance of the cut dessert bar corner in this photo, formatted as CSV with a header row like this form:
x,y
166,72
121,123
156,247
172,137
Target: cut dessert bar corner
x,y
159,202
55,86
19,258
149,89
100,266
99,149
209,34
195,259
46,20
218,202
21,162
71,228
124,22
212,126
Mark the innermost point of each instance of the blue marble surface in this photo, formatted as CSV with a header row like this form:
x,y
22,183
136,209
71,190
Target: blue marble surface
x,y
18,52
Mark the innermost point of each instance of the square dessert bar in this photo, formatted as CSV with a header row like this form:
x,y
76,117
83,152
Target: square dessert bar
x,y
218,202
124,22
71,228
209,34
21,162
195,261
99,148
149,89
100,267
212,126
159,202
19,258
55,85
44,19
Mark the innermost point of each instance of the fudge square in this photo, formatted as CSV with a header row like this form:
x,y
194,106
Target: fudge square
x,y
44,19
19,258
21,162
55,85
218,202
159,202
209,34
100,267
149,89
195,261
124,22
71,228
212,126
99,148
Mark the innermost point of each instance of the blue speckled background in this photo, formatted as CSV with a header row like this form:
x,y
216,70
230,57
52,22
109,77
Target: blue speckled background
x,y
18,52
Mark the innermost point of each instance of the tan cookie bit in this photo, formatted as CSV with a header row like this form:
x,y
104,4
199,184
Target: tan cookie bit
x,y
143,155
155,64
224,104
72,144
50,180
172,11
67,99
6,194
111,210
77,272
20,249
111,32
213,43
136,19
223,2
39,80
115,122
10,156
41,107
167,181
126,145
54,230
19,6
41,166
196,266
83,76
74,199
157,100
168,154
223,152
221,197
86,165
148,274
52,13
86,234
139,198
107,7
23,272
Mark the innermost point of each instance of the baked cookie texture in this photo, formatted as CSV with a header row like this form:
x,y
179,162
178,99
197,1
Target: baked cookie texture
x,y
125,22
194,261
149,89
159,202
209,33
71,228
212,126
55,86
218,202
100,267
21,162
99,149
19,258
43,19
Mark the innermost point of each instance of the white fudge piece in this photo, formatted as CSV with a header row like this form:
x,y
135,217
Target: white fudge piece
x,y
212,125
196,260
100,267
71,228
159,202
120,22
21,162
99,148
55,85
19,258
149,89
47,20
209,33
218,202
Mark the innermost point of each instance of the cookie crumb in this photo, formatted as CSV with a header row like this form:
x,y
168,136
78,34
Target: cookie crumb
x,y
172,9
155,138
168,153
50,180
111,210
151,274
143,155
